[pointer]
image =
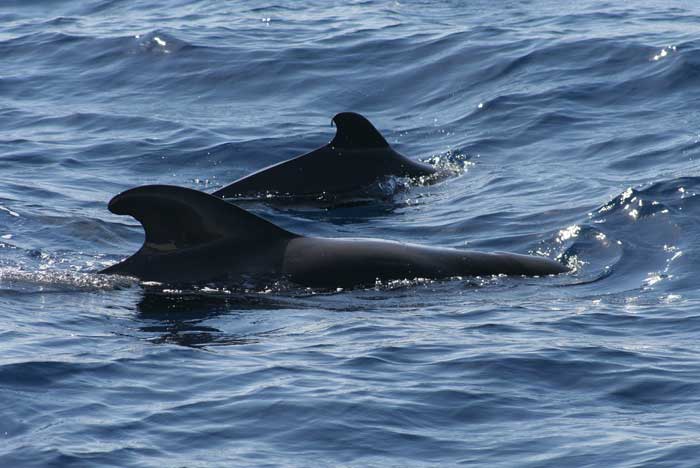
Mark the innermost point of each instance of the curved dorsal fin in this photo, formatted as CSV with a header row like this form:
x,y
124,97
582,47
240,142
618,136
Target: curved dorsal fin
x,y
176,218
355,131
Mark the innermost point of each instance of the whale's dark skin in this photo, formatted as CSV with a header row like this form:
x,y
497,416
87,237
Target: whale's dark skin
x,y
357,157
193,237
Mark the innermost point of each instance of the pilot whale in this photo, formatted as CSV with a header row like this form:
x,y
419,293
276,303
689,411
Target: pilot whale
x,y
194,237
357,157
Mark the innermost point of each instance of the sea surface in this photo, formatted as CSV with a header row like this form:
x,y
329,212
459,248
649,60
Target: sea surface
x,y
570,129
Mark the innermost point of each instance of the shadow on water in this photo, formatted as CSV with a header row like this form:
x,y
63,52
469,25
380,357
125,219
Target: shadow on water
x,y
161,305
178,318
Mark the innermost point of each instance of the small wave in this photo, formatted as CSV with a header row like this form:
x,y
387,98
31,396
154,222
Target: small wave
x,y
38,40
273,294
589,252
451,162
660,387
660,197
219,289
632,203
408,283
62,21
636,236
16,279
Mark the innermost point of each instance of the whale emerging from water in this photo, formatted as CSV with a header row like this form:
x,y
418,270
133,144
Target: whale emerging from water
x,y
357,157
193,237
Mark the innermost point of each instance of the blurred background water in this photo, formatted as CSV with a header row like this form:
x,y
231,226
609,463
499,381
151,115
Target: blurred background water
x,y
574,131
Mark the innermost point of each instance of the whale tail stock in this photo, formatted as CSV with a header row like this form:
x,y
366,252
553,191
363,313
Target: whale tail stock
x,y
179,221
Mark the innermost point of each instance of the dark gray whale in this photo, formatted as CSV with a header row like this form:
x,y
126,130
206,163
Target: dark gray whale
x,y
357,157
193,237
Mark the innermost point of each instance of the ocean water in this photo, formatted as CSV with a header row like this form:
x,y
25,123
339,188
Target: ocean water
x,y
571,129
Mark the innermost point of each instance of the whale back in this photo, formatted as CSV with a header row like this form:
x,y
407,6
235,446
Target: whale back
x,y
355,158
194,237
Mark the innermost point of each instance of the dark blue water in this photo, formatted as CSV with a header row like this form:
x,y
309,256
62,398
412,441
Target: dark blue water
x,y
572,129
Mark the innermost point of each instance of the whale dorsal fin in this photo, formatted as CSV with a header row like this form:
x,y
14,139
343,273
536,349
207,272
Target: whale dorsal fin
x,y
177,218
355,131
